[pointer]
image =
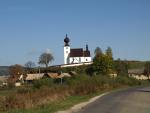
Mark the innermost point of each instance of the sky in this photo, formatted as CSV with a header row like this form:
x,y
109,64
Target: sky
x,y
31,27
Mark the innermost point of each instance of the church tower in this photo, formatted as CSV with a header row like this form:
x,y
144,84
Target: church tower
x,y
66,50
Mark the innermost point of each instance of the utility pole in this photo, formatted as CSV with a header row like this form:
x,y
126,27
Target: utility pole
x,y
39,70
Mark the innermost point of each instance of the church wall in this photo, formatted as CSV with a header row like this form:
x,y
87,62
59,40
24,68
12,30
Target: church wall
x,y
66,54
86,59
80,59
75,60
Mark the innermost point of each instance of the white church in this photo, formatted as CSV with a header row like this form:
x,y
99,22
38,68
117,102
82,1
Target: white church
x,y
75,55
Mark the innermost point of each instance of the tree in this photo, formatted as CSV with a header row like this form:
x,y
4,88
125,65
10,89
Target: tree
x,y
16,69
109,52
147,69
121,67
103,63
29,65
45,58
15,72
98,51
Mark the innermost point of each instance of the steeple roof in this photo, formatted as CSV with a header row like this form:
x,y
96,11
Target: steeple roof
x,y
66,40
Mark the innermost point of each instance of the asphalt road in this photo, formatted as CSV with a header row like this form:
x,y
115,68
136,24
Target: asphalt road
x,y
132,100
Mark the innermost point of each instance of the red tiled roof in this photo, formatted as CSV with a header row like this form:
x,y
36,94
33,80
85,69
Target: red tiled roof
x,y
76,52
79,53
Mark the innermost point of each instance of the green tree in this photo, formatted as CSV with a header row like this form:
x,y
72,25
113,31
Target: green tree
x,y
109,52
121,67
147,69
98,51
102,64
45,58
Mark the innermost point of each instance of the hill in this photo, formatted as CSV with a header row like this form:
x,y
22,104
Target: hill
x,y
4,70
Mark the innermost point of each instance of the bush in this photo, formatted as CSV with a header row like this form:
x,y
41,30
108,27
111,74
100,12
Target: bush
x,y
84,84
124,80
24,90
11,102
43,82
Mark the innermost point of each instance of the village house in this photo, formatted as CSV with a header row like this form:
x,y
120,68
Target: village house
x,y
137,74
37,76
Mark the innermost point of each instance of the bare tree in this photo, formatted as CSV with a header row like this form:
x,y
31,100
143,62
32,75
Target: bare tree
x,y
45,58
29,65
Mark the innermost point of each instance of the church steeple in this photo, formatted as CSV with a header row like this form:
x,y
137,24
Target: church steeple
x,y
66,50
87,49
66,40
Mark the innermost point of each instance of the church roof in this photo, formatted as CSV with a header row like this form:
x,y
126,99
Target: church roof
x,y
78,52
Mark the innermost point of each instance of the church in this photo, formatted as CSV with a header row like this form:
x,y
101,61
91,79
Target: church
x,y
75,55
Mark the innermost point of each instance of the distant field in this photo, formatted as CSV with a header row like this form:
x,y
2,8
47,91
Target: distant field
x,y
136,64
4,70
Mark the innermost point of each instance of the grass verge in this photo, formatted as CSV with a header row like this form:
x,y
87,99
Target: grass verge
x,y
55,106
60,105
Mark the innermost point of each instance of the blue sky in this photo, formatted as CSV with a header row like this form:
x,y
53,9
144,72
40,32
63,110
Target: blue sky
x,y
29,27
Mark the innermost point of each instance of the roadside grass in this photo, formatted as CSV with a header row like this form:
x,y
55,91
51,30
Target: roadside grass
x,y
147,111
5,92
55,106
63,104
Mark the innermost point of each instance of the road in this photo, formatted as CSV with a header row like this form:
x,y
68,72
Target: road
x,y
132,100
